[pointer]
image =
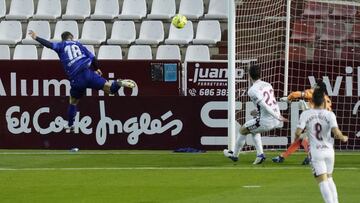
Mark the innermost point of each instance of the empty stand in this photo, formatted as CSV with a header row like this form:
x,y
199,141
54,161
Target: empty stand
x,y
168,52
350,53
25,52
48,9
303,31
123,32
325,53
316,10
181,36
355,32
208,32
151,32
21,9
4,52
217,9
343,11
297,53
41,28
106,9
133,9
197,53
93,32
192,9
49,54
333,31
62,26
162,9
140,52
2,8
110,52
77,9
10,32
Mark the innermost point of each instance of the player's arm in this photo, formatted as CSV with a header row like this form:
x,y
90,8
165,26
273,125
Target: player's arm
x,y
300,127
335,129
306,94
42,41
94,61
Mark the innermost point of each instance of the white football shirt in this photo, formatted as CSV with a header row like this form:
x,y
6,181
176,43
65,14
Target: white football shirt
x,y
262,90
318,124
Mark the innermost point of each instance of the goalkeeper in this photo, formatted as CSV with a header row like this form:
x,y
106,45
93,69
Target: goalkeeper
x,y
305,100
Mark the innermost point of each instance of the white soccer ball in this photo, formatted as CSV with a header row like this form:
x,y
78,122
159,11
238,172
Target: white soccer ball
x,y
179,21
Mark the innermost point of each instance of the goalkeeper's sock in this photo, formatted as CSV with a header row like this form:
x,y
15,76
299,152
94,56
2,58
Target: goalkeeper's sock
x,y
305,144
293,147
333,189
71,114
258,144
325,191
114,87
239,144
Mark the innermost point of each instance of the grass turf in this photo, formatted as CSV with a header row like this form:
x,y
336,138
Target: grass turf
x,y
163,176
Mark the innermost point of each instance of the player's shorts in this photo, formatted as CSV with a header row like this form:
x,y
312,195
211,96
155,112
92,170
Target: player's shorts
x,y
85,79
322,162
258,125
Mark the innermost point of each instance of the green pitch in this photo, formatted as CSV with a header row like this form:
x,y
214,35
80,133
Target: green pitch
x,y
163,176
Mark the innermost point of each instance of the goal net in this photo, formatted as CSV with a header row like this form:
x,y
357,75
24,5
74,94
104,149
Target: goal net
x,y
296,43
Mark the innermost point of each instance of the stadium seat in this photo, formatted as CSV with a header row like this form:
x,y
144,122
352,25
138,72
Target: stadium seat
x,y
325,53
123,32
316,10
4,52
49,54
88,35
217,10
197,53
10,32
26,52
91,49
2,8
192,9
133,9
333,31
181,36
168,52
343,11
151,32
297,53
208,32
355,32
110,52
48,9
106,9
21,10
77,9
42,29
303,31
350,53
62,26
140,52
162,9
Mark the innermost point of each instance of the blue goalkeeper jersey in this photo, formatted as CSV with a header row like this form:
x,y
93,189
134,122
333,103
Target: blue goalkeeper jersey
x,y
74,56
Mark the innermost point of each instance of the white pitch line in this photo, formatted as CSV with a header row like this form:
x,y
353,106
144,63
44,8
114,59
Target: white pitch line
x,y
164,168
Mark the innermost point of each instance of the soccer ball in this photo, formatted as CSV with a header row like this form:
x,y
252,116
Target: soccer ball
x,y
179,21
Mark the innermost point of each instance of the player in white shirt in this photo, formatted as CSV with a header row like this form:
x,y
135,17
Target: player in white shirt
x,y
266,117
319,124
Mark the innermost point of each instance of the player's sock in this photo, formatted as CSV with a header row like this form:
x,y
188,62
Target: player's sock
x,y
71,114
293,147
114,87
239,144
325,191
305,144
333,189
258,144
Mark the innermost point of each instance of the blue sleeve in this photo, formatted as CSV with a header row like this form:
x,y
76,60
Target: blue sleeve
x,y
86,51
44,42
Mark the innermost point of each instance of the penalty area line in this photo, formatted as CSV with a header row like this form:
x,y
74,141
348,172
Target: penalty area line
x,y
164,168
